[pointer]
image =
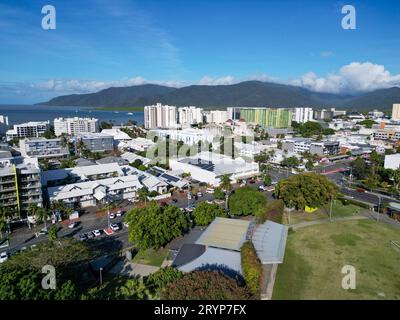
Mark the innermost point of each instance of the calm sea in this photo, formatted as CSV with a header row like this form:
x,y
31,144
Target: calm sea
x,y
25,113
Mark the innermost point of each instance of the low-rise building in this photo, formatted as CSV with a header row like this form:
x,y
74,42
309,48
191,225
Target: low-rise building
x,y
28,129
43,148
137,144
209,167
189,136
97,142
301,145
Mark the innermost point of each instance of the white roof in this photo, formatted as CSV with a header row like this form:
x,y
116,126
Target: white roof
x,y
81,172
117,134
92,187
131,157
214,256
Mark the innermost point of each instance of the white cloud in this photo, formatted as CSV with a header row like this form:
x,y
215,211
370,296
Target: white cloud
x,y
209,81
352,78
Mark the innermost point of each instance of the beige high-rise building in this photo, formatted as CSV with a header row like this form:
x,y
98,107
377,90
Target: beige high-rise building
x,y
396,112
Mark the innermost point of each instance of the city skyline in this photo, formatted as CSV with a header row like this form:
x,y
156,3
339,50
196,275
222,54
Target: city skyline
x,y
123,43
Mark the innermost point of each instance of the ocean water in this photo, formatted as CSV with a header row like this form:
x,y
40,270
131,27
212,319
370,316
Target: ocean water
x,y
25,113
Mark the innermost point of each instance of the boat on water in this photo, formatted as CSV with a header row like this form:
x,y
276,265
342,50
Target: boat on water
x,y
130,113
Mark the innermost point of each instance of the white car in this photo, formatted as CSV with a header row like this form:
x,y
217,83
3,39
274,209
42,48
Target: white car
x,y
3,257
199,194
72,225
114,227
96,233
262,188
120,213
210,190
112,215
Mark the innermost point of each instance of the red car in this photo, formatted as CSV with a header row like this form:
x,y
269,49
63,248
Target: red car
x,y
360,190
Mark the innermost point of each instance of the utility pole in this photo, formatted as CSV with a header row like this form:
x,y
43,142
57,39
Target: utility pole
x,y
101,275
330,210
379,206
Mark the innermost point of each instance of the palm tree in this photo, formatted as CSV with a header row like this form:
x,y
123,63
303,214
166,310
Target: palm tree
x,y
5,215
142,194
226,185
41,215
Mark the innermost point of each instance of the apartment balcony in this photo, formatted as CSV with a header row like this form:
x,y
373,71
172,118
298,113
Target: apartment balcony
x,y
30,186
8,196
7,180
6,189
30,179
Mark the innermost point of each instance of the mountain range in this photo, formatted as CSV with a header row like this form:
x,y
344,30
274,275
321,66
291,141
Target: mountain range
x,y
244,94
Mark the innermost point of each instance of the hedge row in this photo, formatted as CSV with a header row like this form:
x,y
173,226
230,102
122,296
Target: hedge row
x,y
252,268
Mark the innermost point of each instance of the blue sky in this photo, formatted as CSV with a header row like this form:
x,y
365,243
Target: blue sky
x,y
99,43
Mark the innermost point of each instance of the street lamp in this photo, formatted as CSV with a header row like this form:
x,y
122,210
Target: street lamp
x,y
101,275
379,206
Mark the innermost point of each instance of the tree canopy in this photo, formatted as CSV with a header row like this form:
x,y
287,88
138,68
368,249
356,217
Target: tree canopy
x,y
205,213
153,226
306,189
246,201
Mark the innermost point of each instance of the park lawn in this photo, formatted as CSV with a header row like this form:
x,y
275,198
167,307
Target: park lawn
x,y
316,254
338,211
151,257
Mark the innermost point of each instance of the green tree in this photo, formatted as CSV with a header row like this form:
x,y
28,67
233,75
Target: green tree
x,y
52,235
134,289
205,213
368,123
291,162
306,189
205,285
246,201
153,226
218,194
359,168
5,217
372,181
267,180
226,182
157,281
142,194
309,165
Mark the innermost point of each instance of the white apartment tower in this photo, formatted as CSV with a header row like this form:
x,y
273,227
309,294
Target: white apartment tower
x,y
303,115
396,112
74,126
190,115
160,116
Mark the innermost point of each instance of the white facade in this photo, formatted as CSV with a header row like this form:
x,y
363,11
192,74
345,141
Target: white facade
x,y
43,148
303,115
189,136
28,129
392,161
138,144
208,167
189,116
74,126
218,116
3,124
160,116
396,112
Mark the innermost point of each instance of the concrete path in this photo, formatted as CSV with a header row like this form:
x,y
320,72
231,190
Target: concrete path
x,y
133,269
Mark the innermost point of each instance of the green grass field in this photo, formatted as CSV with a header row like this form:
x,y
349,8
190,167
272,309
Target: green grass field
x,y
316,254
151,257
338,211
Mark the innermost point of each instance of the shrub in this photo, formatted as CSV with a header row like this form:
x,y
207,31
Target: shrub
x,y
246,201
252,268
205,213
205,285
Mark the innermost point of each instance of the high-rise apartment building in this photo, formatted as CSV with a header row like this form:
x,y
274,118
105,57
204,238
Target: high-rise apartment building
x,y
218,116
3,124
277,118
160,116
233,113
303,115
396,112
190,115
75,126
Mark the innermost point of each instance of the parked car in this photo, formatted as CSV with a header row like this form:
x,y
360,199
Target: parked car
x,y
210,190
120,213
72,225
112,215
83,237
360,190
199,194
262,188
3,256
96,233
252,181
90,235
114,227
